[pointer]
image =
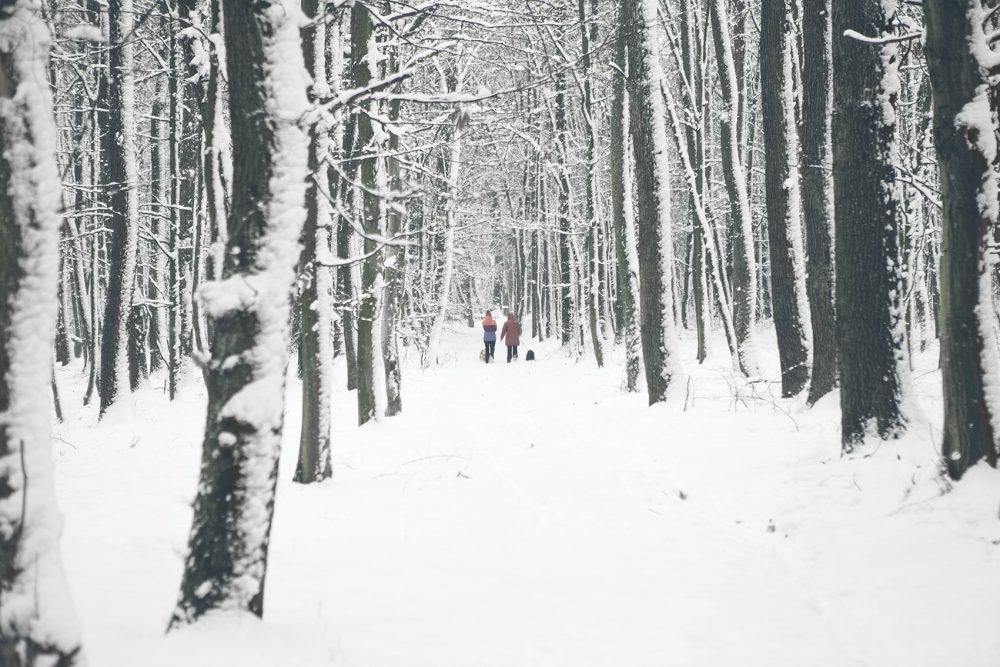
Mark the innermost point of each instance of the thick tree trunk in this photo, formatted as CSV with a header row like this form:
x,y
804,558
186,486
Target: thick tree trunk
x,y
39,626
250,308
817,192
963,136
784,220
655,242
869,331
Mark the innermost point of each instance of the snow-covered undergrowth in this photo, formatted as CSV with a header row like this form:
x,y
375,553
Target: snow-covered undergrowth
x,y
532,515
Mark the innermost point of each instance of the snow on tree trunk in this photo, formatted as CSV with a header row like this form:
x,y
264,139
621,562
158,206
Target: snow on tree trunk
x,y
448,270
123,178
654,229
964,134
315,301
622,216
250,307
784,213
744,269
38,624
870,345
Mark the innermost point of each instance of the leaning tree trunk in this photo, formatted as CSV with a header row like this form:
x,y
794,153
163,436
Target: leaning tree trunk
x,y
315,300
654,239
817,192
122,178
38,625
784,223
250,308
966,147
870,343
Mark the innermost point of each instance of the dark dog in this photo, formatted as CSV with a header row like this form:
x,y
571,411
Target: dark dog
x,y
530,356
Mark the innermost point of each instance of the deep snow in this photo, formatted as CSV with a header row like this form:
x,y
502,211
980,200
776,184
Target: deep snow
x,y
532,515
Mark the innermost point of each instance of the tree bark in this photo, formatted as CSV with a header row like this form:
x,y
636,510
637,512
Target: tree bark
x,y
817,192
250,308
783,204
649,136
869,331
969,194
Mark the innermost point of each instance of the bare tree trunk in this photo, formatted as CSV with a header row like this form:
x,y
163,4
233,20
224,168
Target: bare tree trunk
x,y
870,342
784,222
817,192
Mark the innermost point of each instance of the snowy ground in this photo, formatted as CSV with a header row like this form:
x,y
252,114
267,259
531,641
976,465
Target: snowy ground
x,y
532,515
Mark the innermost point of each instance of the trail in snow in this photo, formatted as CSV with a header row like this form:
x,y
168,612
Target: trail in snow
x,y
531,515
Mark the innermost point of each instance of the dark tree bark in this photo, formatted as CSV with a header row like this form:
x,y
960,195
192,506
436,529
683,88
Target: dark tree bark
x,y
117,153
565,290
250,307
649,136
783,205
361,31
315,335
817,192
869,335
968,194
621,205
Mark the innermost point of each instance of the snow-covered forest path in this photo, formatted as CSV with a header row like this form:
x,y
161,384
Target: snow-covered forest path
x,y
532,515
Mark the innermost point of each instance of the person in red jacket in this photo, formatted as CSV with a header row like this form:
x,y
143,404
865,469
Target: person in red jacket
x,y
511,331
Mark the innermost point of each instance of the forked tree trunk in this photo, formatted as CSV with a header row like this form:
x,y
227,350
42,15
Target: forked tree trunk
x,y
250,308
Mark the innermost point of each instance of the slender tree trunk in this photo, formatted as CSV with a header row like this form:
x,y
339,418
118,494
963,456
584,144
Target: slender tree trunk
x,y
869,330
744,273
315,317
966,149
250,307
817,192
368,311
123,180
784,220
39,626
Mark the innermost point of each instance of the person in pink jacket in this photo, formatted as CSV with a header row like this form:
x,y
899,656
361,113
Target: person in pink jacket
x,y
511,331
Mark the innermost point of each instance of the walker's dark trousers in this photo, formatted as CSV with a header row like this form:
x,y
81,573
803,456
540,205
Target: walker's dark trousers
x,y
491,348
511,350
